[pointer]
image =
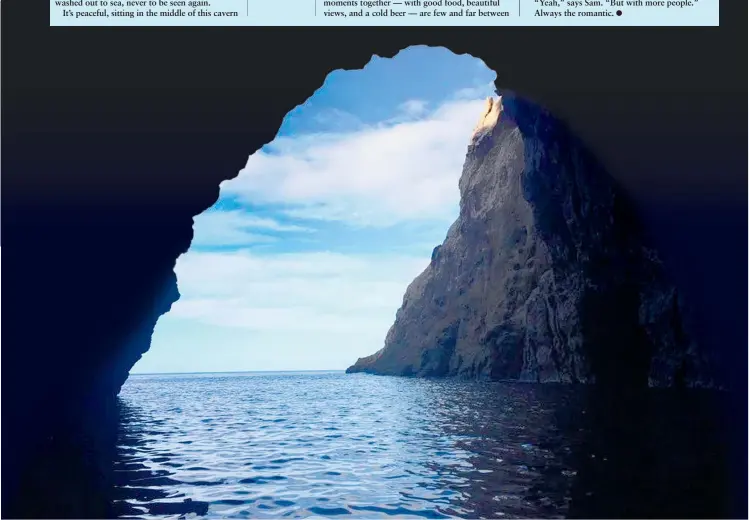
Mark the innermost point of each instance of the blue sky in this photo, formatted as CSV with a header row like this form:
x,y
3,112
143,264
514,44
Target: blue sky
x,y
303,261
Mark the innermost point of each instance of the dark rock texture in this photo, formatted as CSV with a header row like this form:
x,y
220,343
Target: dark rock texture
x,y
545,275
113,140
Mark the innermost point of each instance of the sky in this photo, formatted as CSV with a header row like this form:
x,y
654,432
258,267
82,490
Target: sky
x,y
304,259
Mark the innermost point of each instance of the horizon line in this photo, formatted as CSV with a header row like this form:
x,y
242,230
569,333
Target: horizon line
x,y
235,372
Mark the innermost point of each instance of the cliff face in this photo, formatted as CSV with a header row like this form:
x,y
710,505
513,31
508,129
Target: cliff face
x,y
545,275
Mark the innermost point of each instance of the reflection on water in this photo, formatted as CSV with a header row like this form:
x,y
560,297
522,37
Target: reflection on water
x,y
330,444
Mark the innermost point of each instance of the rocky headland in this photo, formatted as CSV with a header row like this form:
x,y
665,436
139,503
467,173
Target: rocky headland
x,y
545,276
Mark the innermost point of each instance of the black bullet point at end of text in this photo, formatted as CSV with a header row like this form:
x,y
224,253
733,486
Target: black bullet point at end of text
x,y
618,13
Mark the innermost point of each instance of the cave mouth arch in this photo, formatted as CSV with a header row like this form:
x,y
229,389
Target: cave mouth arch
x,y
103,295
364,176
280,238
283,185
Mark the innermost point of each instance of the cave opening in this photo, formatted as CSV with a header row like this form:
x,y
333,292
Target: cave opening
x,y
310,248
241,406
296,272
113,238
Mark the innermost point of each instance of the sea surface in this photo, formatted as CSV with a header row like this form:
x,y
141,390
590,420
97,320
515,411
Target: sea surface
x,y
328,444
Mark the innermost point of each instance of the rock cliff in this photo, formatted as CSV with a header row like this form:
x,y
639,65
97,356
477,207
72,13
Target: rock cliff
x,y
545,275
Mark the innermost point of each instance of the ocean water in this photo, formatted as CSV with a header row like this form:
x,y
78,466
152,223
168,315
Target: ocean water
x,y
328,444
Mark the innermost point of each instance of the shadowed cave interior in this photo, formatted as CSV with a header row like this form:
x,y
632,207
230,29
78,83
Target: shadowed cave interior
x,y
125,182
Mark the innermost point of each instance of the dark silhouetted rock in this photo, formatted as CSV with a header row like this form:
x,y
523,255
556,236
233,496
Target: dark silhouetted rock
x,y
105,166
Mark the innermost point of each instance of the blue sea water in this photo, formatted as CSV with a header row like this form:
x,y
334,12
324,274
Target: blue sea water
x,y
328,444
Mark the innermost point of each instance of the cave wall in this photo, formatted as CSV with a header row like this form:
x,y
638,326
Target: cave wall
x,y
114,139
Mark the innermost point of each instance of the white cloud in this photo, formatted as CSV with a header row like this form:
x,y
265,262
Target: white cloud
x,y
236,228
324,292
413,107
319,309
377,176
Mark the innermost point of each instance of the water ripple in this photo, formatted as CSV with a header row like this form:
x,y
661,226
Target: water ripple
x,y
335,445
